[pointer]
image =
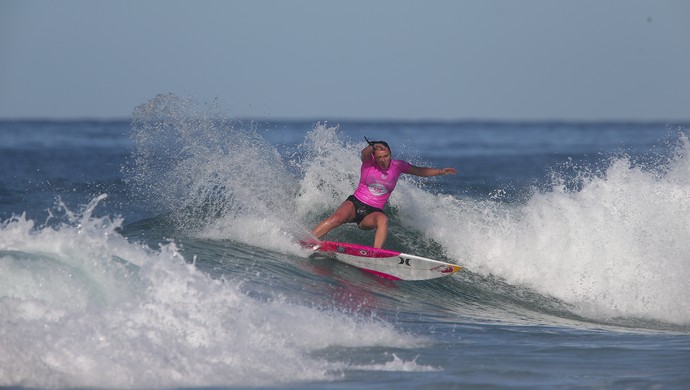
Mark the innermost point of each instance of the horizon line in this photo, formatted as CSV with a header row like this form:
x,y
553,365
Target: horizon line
x,y
267,119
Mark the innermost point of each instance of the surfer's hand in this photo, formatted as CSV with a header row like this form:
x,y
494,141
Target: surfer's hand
x,y
448,171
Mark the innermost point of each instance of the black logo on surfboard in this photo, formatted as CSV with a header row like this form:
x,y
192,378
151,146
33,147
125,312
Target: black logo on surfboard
x,y
404,261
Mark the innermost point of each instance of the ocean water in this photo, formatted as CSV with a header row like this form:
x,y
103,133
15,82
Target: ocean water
x,y
159,252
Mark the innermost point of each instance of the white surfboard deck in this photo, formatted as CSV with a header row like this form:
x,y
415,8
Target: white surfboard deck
x,y
382,262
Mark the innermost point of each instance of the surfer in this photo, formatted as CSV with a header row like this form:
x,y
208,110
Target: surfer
x,y
378,177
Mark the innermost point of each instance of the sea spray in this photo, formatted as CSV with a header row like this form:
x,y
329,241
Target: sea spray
x,y
192,163
330,170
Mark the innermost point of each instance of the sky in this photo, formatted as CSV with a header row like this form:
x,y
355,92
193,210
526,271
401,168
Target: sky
x,y
579,60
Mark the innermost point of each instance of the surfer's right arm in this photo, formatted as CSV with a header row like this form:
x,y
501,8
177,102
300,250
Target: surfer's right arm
x,y
367,153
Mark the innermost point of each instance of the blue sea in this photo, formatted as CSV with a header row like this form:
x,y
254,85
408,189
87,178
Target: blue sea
x,y
160,252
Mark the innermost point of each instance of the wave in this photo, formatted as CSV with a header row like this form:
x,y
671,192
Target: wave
x,y
612,244
607,243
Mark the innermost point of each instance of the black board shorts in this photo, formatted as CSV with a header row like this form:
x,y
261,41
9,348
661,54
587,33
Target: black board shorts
x,y
361,209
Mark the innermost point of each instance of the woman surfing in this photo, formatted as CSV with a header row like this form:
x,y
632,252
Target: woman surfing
x,y
378,177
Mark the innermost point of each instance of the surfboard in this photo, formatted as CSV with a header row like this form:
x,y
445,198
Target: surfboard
x,y
382,262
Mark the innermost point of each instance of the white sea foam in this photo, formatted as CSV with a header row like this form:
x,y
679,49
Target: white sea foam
x,y
616,246
80,306
399,365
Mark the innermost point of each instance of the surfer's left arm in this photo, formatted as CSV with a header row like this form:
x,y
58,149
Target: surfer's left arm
x,y
424,171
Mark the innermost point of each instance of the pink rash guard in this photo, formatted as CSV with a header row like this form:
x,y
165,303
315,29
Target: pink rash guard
x,y
375,186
